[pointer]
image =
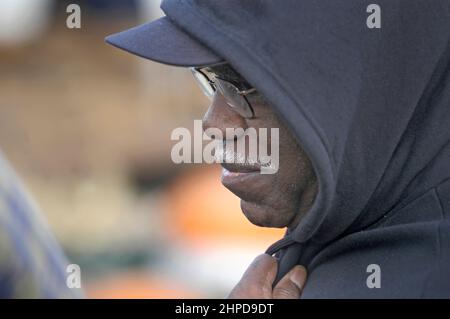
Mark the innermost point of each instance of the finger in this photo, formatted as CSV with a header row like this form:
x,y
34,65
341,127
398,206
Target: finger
x,y
261,271
291,285
257,279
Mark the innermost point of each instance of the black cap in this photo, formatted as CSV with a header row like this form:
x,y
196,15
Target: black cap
x,y
164,42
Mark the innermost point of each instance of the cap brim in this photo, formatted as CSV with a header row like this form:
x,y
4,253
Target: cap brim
x,y
164,42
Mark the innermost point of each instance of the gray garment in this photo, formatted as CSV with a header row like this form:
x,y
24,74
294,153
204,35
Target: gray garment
x,y
372,109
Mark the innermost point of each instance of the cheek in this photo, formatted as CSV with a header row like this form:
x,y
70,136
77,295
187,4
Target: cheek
x,y
281,194
284,187
286,191
293,175
295,165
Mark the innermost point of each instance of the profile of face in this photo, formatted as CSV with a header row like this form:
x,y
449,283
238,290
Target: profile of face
x,y
269,200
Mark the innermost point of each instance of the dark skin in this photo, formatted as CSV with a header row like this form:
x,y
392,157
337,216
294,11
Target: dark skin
x,y
257,281
268,200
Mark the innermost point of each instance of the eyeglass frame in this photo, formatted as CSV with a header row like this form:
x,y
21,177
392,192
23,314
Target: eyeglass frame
x,y
238,91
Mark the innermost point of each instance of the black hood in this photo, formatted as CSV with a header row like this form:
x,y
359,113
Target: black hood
x,y
371,107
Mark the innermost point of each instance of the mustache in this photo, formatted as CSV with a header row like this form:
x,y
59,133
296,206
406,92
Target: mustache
x,y
230,156
226,155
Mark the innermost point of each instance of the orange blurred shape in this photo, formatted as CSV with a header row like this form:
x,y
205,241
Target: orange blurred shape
x,y
137,285
202,209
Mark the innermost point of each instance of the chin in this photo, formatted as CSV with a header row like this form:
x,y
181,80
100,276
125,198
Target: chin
x,y
263,216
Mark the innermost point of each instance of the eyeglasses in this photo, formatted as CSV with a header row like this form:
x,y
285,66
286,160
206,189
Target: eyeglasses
x,y
234,96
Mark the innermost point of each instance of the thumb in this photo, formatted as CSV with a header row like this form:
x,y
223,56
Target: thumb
x,y
291,285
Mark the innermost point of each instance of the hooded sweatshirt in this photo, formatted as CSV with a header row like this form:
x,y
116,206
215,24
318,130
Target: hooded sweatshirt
x,y
371,107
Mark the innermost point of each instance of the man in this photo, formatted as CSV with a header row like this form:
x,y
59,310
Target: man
x,y
363,184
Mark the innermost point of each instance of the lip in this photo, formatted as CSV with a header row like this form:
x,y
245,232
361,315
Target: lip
x,y
237,168
239,183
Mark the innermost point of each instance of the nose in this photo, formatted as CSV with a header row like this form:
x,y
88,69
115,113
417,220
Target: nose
x,y
221,116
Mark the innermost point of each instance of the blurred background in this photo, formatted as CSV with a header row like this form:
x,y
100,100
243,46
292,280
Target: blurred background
x,y
87,127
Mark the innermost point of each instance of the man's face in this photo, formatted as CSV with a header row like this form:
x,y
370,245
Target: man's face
x,y
270,200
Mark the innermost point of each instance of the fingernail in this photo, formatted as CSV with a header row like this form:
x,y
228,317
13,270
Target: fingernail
x,y
298,276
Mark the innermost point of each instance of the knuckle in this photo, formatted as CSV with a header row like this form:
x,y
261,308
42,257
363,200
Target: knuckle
x,y
286,292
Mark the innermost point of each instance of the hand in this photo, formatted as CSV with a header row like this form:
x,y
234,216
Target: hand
x,y
256,283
